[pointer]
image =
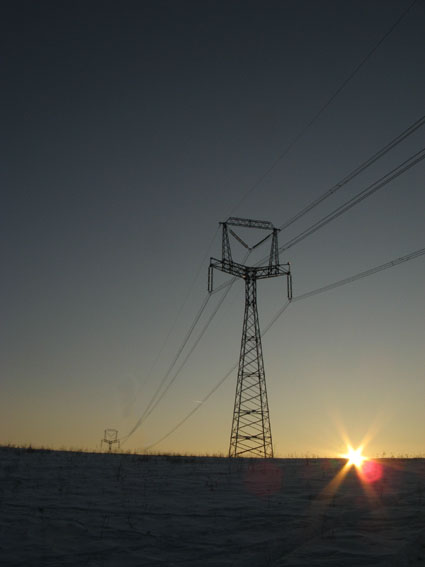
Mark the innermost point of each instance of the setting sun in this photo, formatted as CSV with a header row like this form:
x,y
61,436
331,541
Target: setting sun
x,y
355,457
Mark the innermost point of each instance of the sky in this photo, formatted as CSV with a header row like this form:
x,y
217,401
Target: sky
x,y
129,131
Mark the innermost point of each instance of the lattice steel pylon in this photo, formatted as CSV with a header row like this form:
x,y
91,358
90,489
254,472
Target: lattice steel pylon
x,y
251,430
110,437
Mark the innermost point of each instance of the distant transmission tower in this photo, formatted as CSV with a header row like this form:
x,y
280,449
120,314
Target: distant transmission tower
x,y
251,431
110,437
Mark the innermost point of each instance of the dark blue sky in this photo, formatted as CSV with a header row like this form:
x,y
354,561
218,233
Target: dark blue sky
x,y
129,130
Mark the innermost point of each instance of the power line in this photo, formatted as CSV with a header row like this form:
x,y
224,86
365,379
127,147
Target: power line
x,y
207,253
364,194
341,87
157,396
196,408
301,297
361,275
276,316
350,176
316,226
359,197
392,144
180,368
197,316
179,351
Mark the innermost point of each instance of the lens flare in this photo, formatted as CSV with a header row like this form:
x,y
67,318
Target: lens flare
x,y
355,457
371,471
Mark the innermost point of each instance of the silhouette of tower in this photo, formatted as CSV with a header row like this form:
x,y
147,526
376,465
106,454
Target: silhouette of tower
x,y
110,437
251,431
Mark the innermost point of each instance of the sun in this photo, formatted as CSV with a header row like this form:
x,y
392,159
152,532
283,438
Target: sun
x,y
355,457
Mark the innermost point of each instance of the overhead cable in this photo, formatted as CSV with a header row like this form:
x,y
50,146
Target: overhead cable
x,y
182,305
301,297
358,198
322,109
158,395
195,344
195,409
361,275
392,144
364,194
197,316
171,366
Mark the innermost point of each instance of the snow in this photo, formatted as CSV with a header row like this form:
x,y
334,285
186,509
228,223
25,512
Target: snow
x,y
62,508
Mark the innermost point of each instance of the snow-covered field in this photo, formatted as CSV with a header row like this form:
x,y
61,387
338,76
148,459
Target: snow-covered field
x,y
64,508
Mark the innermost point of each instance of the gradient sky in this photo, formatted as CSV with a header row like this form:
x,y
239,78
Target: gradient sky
x,y
129,130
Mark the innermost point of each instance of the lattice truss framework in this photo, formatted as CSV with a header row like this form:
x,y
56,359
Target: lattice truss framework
x,y
251,430
110,437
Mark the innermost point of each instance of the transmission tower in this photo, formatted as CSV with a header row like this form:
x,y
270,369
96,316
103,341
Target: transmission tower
x,y
110,437
251,431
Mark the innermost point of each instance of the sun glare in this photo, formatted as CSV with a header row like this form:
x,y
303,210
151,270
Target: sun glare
x,y
355,457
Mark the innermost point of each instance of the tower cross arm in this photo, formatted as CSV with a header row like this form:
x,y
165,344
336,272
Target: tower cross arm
x,y
232,268
262,272
257,272
250,223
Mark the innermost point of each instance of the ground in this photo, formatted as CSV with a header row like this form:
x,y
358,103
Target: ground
x,y
62,508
